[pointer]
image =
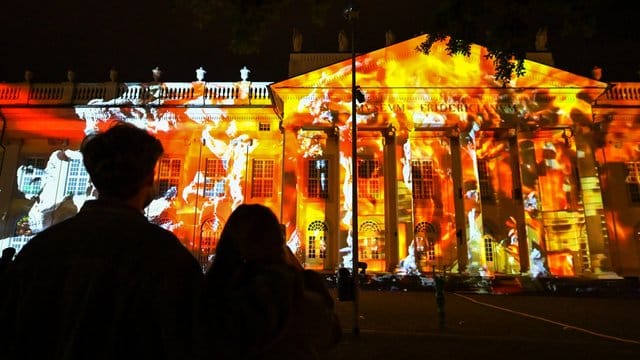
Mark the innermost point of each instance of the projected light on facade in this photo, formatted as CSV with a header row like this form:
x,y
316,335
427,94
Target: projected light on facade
x,y
454,169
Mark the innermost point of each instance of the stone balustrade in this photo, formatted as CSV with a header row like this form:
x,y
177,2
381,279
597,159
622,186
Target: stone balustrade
x,y
165,93
624,93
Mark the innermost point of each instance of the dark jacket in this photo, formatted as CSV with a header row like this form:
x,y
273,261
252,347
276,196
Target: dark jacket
x,y
271,311
104,284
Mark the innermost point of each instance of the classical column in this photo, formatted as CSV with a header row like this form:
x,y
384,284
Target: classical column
x,y
590,192
517,196
390,199
333,259
458,201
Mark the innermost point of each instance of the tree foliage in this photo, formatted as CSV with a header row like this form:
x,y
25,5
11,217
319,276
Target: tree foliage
x,y
507,28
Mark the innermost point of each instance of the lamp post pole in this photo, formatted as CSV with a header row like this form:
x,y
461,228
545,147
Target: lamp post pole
x,y
351,14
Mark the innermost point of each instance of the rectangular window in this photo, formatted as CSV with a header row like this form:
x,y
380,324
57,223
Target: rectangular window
x,y
30,176
318,179
77,178
215,172
484,177
423,176
633,181
431,251
264,126
262,178
488,249
311,245
369,180
168,174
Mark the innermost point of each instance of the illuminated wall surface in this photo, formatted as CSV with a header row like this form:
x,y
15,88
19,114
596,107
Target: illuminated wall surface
x,y
454,169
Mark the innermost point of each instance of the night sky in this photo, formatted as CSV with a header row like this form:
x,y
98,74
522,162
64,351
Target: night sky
x,y
135,36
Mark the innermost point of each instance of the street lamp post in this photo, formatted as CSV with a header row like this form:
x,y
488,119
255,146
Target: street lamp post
x,y
351,13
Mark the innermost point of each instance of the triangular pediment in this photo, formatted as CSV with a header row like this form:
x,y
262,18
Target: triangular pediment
x,y
402,65
406,88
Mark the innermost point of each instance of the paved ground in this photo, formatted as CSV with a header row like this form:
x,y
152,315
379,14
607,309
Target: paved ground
x,y
401,324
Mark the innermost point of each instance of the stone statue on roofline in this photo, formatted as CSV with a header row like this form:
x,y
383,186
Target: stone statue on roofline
x,y
343,41
157,74
541,39
389,38
297,40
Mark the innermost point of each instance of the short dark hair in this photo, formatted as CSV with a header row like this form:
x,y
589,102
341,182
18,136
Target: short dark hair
x,y
120,159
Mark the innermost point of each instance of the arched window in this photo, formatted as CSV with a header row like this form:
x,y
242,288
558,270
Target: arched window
x,y
426,236
371,243
317,240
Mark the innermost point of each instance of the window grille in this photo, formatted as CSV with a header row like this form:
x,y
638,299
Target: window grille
x,y
318,179
215,172
264,126
633,181
484,177
262,178
317,240
488,248
30,177
168,174
77,178
423,177
431,250
371,244
369,180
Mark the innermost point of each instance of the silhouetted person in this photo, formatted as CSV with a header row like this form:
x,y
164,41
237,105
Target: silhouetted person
x,y
263,304
5,262
106,283
6,259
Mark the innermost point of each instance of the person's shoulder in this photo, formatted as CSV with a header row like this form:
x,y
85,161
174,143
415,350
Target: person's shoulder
x,y
48,239
166,245
160,237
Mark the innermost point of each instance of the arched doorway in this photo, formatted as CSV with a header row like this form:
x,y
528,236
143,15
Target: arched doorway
x,y
371,245
210,230
316,244
426,243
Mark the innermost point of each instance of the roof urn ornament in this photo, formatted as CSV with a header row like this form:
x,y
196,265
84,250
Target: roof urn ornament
x,y
244,73
200,72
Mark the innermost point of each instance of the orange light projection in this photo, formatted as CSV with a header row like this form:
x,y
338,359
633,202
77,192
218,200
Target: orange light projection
x,y
437,136
413,94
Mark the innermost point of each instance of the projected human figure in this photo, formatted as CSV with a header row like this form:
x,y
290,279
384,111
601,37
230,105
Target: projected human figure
x,y
472,194
409,264
347,251
51,204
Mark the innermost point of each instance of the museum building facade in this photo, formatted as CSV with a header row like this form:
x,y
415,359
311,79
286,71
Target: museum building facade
x,y
455,170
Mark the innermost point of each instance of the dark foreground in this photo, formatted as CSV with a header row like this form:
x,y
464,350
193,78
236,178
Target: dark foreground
x,y
404,324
